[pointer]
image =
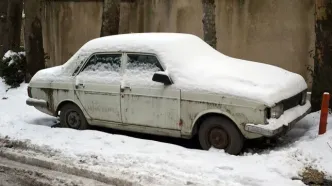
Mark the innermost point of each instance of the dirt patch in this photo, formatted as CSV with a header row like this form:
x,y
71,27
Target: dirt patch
x,y
313,177
15,177
6,142
68,168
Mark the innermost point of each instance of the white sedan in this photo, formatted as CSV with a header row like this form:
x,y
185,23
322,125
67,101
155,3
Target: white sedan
x,y
173,85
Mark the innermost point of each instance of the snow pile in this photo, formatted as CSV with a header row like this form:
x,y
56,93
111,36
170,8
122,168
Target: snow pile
x,y
9,54
154,163
195,66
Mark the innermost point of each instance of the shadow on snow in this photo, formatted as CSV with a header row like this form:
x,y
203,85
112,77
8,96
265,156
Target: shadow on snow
x,y
251,146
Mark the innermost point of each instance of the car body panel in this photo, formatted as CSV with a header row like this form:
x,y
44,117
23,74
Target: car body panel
x,y
153,107
194,105
101,101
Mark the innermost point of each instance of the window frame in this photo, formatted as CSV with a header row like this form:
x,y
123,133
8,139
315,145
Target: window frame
x,y
141,53
97,53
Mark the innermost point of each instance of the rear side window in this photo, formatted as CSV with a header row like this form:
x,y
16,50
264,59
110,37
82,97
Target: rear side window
x,y
143,62
103,63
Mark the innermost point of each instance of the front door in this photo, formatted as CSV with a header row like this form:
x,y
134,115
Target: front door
x,y
145,102
98,86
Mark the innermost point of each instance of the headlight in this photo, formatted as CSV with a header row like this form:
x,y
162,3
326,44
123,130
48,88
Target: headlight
x,y
303,98
277,111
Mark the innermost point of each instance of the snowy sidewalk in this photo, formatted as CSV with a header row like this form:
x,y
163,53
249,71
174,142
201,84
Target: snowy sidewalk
x,y
148,162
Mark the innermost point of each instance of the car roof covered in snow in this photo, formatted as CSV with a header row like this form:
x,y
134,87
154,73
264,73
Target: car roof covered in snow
x,y
138,42
169,47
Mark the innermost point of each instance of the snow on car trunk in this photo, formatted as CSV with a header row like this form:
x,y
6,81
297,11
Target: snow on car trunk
x,y
155,163
194,66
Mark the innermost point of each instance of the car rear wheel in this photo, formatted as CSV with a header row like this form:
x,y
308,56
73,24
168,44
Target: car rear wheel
x,y
220,133
71,116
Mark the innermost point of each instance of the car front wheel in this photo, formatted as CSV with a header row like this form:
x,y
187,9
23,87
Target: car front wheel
x,y
220,133
71,116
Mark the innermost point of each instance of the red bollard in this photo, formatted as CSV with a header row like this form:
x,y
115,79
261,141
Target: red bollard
x,y
324,113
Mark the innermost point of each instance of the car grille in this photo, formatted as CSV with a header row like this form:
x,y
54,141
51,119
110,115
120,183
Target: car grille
x,y
292,101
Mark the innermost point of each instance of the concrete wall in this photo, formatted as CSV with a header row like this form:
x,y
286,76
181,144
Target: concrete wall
x,y
278,32
67,26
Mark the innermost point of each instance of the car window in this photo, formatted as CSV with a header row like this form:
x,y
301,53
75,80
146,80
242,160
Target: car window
x,y
103,63
143,62
140,69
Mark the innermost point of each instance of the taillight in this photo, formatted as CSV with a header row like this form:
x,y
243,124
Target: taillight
x,y
29,92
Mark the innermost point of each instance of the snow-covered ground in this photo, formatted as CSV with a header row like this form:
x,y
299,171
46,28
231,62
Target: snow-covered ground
x,y
154,163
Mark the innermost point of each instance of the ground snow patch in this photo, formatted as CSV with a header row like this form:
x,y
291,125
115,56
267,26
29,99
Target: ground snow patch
x,y
155,163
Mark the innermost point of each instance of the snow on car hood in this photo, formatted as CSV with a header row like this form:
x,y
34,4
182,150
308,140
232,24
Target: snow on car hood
x,y
194,66
251,80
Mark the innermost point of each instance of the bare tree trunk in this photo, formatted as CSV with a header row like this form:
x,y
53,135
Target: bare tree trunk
x,y
3,20
14,23
322,79
140,17
111,18
209,23
33,37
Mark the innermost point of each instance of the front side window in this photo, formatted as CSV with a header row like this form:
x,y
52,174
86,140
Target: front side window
x,y
140,68
143,62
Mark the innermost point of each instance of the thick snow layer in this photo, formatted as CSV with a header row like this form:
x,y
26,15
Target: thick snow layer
x,y
195,66
11,54
155,163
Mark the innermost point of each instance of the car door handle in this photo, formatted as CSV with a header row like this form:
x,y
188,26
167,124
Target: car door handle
x,y
122,89
80,85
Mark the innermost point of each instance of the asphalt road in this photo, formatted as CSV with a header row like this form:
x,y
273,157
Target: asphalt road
x,y
18,174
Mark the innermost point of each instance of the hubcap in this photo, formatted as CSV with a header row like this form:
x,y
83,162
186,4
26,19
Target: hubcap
x,y
218,138
73,119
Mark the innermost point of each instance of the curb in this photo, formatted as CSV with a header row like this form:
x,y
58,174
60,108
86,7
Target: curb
x,y
60,167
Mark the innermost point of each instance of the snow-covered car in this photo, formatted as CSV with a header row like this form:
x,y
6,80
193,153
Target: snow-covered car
x,y
170,84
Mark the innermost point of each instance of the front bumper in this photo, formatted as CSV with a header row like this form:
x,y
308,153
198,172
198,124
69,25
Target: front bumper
x,y
284,123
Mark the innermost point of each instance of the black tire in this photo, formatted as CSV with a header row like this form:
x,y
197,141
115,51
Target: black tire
x,y
223,133
71,116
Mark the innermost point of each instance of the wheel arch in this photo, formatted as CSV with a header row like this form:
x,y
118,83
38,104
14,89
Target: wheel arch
x,y
68,101
208,113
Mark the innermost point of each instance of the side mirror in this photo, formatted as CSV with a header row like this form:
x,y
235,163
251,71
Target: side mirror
x,y
162,77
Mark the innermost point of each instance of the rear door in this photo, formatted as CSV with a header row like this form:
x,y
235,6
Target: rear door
x,y
97,86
